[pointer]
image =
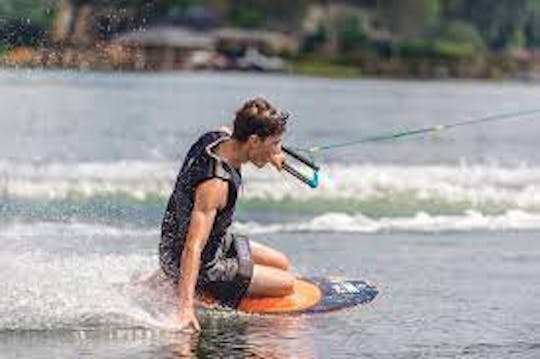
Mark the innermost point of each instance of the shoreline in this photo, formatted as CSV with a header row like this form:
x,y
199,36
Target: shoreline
x,y
331,72
490,67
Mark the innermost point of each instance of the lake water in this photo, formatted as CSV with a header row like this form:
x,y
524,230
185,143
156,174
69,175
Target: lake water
x,y
447,225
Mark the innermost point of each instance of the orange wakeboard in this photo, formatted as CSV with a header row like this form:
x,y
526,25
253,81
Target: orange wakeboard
x,y
311,295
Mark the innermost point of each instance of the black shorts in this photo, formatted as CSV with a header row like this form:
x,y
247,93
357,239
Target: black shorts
x,y
227,278
228,275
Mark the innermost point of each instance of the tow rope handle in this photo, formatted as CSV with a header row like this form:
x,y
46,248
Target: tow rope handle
x,y
311,182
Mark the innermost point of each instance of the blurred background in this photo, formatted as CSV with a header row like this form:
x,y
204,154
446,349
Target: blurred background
x,y
100,101
417,38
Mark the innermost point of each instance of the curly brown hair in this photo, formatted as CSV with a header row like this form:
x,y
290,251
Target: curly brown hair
x,y
258,117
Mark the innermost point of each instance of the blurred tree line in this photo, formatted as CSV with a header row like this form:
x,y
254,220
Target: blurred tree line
x,y
412,29
24,21
493,24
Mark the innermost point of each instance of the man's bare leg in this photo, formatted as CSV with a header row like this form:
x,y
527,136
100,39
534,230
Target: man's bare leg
x,y
268,257
270,282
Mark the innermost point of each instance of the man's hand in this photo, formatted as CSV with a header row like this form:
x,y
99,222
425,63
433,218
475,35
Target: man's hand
x,y
185,320
278,160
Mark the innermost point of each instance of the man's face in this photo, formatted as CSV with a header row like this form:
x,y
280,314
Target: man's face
x,y
261,151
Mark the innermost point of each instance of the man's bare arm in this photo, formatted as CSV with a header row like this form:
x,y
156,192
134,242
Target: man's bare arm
x,y
210,196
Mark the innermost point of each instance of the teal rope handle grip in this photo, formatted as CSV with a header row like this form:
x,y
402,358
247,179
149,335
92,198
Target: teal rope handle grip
x,y
300,158
311,182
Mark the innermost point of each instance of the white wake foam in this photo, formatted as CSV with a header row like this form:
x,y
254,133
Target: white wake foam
x,y
43,291
475,185
71,229
43,288
421,222
135,179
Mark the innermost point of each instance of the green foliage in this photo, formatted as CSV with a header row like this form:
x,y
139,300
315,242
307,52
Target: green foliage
x,y
247,16
325,68
258,13
411,16
498,22
436,49
180,6
35,12
463,33
24,22
516,39
352,33
532,30
431,12
449,28
453,50
313,42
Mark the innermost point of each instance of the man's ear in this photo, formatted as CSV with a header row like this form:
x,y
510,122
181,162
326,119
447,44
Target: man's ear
x,y
253,140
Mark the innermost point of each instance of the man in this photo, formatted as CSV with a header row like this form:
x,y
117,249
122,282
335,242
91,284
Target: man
x,y
197,250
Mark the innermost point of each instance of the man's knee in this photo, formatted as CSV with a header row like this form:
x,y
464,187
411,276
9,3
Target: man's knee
x,y
280,260
271,281
288,286
283,262
269,257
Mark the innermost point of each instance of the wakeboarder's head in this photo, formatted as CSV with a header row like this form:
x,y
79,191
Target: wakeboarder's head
x,y
259,127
